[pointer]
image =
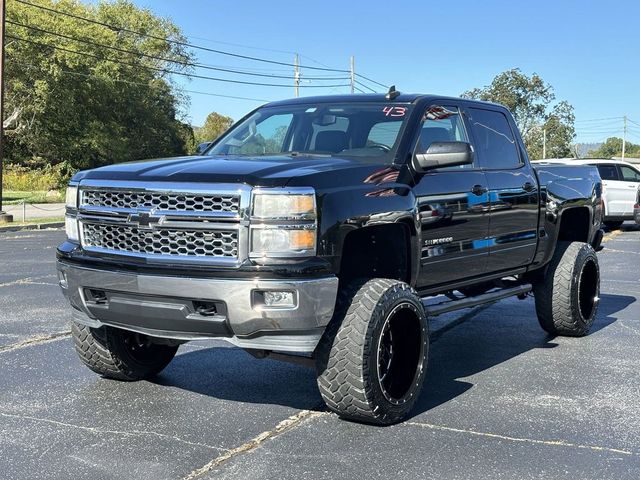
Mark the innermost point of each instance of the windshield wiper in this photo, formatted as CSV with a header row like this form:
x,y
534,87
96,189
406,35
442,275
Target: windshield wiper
x,y
306,154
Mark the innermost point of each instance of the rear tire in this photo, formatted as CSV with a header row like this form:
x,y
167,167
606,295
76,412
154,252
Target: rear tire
x,y
120,354
567,297
613,225
372,359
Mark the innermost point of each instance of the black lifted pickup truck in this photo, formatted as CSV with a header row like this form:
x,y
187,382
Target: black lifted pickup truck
x,y
329,228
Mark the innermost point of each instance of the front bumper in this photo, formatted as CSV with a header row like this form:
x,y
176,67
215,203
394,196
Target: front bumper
x,y
167,307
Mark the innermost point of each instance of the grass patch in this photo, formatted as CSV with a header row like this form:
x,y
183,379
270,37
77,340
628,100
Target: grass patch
x,y
33,221
30,196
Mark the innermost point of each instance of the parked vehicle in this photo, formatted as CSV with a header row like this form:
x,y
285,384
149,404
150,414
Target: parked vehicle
x,y
620,182
324,227
636,208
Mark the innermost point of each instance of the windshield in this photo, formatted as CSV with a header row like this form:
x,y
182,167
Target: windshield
x,y
370,131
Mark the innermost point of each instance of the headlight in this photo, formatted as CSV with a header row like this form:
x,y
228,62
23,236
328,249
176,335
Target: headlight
x,y
283,223
71,228
279,241
284,206
72,197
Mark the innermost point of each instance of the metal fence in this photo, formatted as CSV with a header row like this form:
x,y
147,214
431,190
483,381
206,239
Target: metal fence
x,y
25,211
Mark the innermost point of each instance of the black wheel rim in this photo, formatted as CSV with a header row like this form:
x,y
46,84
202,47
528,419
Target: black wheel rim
x,y
140,348
400,353
588,289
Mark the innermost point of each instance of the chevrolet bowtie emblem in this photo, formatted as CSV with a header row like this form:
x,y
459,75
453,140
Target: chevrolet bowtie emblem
x,y
144,220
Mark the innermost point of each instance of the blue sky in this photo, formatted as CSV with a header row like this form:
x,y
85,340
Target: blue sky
x,y
588,50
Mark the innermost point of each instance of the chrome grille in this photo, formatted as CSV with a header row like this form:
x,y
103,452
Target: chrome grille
x,y
166,201
160,241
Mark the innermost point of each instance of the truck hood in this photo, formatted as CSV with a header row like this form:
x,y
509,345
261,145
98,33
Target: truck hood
x,y
271,171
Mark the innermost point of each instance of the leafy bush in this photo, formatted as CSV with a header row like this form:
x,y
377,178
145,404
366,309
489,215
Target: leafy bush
x,y
19,178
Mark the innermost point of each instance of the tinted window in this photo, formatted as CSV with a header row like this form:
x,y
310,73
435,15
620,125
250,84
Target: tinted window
x,y
328,129
338,124
442,124
266,137
384,133
494,139
629,174
608,172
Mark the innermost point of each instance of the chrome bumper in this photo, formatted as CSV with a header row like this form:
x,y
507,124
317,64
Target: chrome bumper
x,y
164,306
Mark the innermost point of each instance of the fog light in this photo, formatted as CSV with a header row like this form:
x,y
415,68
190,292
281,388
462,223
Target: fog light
x,y
278,299
274,299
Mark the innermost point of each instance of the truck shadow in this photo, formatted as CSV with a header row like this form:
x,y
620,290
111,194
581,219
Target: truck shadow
x,y
504,331
230,373
484,343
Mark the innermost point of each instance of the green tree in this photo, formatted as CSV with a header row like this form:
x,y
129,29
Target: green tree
x,y
214,126
98,106
612,147
530,100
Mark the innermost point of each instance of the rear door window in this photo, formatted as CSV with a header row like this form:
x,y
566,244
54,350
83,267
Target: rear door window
x,y
629,174
494,139
607,172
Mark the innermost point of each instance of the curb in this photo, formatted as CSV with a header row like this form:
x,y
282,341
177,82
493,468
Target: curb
x,y
34,226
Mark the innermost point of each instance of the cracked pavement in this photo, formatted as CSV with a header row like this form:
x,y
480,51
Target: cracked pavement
x,y
502,399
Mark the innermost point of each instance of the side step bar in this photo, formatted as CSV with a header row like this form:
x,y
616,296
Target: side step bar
x,y
434,310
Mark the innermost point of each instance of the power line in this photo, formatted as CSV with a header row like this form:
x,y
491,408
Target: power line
x,y
598,119
175,42
129,82
164,59
165,70
372,81
365,86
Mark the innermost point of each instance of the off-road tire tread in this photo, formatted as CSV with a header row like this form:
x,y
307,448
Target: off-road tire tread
x,y
95,347
553,293
341,357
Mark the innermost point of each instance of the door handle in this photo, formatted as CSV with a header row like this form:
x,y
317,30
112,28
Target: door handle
x,y
478,190
528,187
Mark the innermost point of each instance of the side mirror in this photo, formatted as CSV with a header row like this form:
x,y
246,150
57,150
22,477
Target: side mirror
x,y
200,149
443,154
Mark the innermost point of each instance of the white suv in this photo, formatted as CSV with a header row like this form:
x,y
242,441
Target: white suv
x,y
620,183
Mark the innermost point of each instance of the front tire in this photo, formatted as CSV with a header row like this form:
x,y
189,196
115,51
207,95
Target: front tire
x,y
120,354
372,359
567,297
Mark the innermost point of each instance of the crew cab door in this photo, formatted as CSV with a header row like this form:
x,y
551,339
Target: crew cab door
x,y
613,189
630,179
513,189
453,206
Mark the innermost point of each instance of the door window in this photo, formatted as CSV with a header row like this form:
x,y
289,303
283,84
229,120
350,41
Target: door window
x,y
607,172
494,139
442,124
629,174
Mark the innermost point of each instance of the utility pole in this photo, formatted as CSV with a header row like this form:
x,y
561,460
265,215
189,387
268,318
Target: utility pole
x,y
544,143
4,217
296,76
352,71
624,136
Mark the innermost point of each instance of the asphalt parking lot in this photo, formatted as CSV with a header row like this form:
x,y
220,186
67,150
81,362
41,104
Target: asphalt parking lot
x,y
502,399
